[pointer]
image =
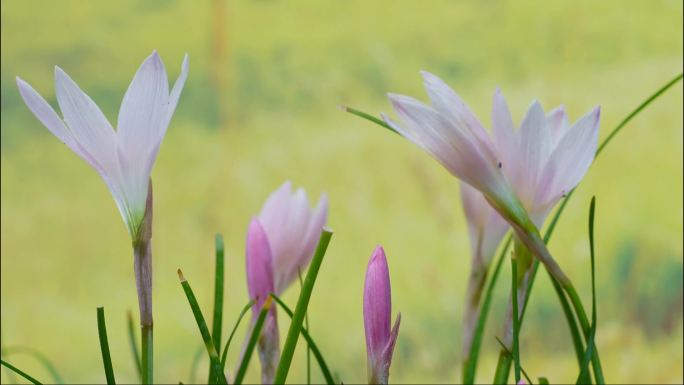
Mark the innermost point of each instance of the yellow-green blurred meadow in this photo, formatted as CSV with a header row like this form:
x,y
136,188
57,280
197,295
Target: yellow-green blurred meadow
x,y
259,108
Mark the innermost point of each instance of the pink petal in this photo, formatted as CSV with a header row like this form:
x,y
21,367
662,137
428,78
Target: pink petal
x,y
377,304
259,264
505,138
534,150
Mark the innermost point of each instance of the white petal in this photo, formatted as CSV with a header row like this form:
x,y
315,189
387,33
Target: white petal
x,y
177,88
450,144
449,104
87,124
534,150
313,233
505,137
571,158
47,115
557,121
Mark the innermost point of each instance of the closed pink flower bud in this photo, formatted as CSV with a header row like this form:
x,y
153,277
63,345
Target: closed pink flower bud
x,y
377,314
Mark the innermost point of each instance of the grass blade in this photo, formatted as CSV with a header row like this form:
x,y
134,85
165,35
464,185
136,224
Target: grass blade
x,y
592,334
49,367
306,325
369,117
470,367
543,381
516,320
507,352
134,345
300,309
253,339
20,372
244,311
312,345
217,320
104,346
204,330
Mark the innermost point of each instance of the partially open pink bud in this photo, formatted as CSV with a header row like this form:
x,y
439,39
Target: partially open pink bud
x,y
377,317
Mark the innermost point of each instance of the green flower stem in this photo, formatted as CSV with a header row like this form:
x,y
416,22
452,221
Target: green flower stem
x,y
300,309
244,311
147,354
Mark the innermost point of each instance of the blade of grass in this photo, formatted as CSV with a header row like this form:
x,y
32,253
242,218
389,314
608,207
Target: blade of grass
x,y
470,366
306,325
134,346
516,320
204,330
11,378
54,373
505,350
217,320
104,346
312,345
244,311
369,117
253,339
20,372
300,309
590,344
543,381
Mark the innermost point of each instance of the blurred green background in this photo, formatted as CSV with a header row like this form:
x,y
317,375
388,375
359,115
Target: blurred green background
x,y
259,107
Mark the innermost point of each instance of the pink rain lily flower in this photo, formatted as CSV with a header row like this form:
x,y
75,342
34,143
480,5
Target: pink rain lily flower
x,y
123,157
521,173
377,318
293,230
280,244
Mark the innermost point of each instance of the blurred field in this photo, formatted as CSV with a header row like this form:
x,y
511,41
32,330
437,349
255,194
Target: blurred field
x,y
259,108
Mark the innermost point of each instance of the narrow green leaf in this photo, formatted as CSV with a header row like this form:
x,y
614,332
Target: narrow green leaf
x,y
312,345
516,320
19,372
584,368
204,330
509,354
217,320
306,325
369,117
134,345
253,339
300,309
543,381
470,366
244,311
104,346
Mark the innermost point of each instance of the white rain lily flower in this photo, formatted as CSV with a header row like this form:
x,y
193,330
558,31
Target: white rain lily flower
x,y
123,158
522,173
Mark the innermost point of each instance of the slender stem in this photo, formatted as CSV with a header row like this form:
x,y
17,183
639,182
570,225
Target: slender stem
x,y
104,346
516,321
586,328
244,311
503,367
253,338
147,354
470,364
306,325
300,309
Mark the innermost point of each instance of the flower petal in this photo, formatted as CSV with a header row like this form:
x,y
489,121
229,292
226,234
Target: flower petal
x,y
534,150
571,159
505,138
486,227
259,264
87,124
450,144
557,121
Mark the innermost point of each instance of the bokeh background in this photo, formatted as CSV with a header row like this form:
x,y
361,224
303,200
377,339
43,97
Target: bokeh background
x,y
259,108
